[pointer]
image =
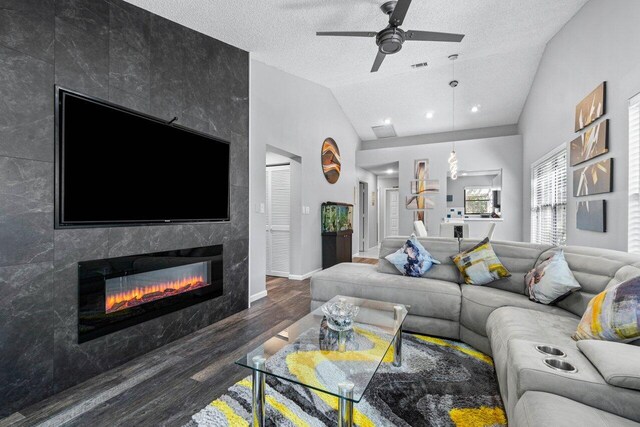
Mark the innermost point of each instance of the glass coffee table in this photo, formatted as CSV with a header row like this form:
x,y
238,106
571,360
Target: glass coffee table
x,y
341,364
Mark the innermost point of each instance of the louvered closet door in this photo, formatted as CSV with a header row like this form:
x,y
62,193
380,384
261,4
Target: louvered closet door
x,y
278,220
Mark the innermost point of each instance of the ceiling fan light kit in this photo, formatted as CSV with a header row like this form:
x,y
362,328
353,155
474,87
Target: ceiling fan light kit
x,y
390,39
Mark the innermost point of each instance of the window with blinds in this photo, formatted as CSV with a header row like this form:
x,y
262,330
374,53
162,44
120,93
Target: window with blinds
x,y
549,199
634,175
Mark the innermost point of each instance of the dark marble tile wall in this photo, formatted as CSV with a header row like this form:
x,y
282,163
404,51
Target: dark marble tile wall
x,y
115,51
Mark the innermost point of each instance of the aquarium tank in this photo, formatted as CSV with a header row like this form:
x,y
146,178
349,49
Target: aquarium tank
x,y
336,217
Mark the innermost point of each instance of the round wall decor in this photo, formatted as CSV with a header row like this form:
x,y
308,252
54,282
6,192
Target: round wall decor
x,y
331,160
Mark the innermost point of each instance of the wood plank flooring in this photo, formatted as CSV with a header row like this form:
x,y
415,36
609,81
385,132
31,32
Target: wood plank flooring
x,y
168,385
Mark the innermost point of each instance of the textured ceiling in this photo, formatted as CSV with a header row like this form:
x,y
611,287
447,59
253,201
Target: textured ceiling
x,y
498,57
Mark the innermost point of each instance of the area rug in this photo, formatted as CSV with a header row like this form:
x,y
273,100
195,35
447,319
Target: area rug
x,y
440,383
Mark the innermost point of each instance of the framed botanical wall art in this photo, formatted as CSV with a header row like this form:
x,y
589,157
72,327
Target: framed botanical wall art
x,y
419,203
429,186
590,108
590,144
593,179
592,215
331,163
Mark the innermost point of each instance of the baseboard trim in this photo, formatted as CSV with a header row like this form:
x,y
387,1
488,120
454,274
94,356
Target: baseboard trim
x,y
256,297
303,276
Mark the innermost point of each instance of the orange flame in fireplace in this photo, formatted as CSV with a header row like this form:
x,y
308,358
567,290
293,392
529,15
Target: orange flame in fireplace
x,y
137,296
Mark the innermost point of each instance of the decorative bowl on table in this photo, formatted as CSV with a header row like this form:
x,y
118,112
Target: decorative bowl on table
x,y
340,314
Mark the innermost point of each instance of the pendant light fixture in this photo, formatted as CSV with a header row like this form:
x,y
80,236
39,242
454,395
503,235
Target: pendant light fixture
x,y
453,158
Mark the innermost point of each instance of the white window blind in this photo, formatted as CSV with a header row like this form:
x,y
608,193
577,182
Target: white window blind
x,y
549,199
634,175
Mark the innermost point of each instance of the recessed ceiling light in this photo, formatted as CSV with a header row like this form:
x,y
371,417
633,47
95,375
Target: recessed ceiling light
x,y
389,171
387,121
475,108
430,115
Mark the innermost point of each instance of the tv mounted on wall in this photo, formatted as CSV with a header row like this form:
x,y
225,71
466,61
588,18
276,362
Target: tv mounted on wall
x,y
115,166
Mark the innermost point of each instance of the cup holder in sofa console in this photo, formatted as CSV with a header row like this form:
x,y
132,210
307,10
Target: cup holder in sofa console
x,y
560,365
551,351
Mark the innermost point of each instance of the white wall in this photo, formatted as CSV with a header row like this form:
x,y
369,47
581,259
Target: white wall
x,y
295,115
491,153
371,239
599,43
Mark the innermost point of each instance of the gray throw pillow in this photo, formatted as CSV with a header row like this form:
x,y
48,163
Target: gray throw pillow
x,y
618,363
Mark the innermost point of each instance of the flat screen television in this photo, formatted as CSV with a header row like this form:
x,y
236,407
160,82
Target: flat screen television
x,y
115,166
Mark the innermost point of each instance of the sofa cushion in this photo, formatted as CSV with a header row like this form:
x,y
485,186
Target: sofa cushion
x,y
519,258
479,265
427,297
412,259
478,302
536,409
595,269
509,323
613,314
440,248
618,363
551,280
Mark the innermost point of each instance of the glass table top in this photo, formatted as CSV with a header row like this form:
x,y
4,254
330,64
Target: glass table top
x,y
311,354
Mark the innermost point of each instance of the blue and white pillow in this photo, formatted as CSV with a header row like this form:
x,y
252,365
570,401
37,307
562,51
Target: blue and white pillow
x,y
412,259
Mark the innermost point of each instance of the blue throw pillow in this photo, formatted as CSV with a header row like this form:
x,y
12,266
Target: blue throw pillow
x,y
412,259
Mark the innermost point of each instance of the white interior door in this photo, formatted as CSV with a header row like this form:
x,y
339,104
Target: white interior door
x,y
392,213
278,218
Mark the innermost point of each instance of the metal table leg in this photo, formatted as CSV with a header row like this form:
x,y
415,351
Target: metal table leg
x,y
345,405
397,345
257,390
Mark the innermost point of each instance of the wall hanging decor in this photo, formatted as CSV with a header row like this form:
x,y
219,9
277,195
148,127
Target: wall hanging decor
x,y
331,163
429,186
421,170
590,144
592,215
590,108
419,203
422,185
419,216
594,179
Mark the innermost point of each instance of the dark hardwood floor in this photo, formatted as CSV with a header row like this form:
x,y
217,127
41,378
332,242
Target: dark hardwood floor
x,y
167,386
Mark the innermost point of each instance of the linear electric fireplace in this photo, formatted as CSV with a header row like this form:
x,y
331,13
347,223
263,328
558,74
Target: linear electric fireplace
x,y
116,293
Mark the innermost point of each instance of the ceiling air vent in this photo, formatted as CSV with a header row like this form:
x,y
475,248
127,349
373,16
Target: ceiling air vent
x,y
384,131
419,65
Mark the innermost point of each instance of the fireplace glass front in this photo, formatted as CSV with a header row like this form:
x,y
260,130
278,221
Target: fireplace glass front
x,y
116,293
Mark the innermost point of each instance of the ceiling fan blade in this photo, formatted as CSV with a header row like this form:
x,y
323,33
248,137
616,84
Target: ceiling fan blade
x,y
378,62
397,17
347,33
430,36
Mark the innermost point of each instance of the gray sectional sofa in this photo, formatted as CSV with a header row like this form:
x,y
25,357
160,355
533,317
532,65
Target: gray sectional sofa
x,y
500,320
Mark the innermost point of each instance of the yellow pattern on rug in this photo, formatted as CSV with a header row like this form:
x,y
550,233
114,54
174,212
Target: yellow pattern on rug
x,y
271,401
304,366
232,418
478,417
463,349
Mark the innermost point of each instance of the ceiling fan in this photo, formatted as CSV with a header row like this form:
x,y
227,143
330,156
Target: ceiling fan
x,y
390,39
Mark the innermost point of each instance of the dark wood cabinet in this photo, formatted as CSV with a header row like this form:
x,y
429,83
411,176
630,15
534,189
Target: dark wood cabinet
x,y
336,248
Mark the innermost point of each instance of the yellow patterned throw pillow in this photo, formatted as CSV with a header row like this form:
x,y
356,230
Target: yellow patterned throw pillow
x,y
480,264
613,314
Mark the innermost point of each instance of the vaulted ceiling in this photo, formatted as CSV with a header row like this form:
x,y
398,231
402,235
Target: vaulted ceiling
x,y
498,60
